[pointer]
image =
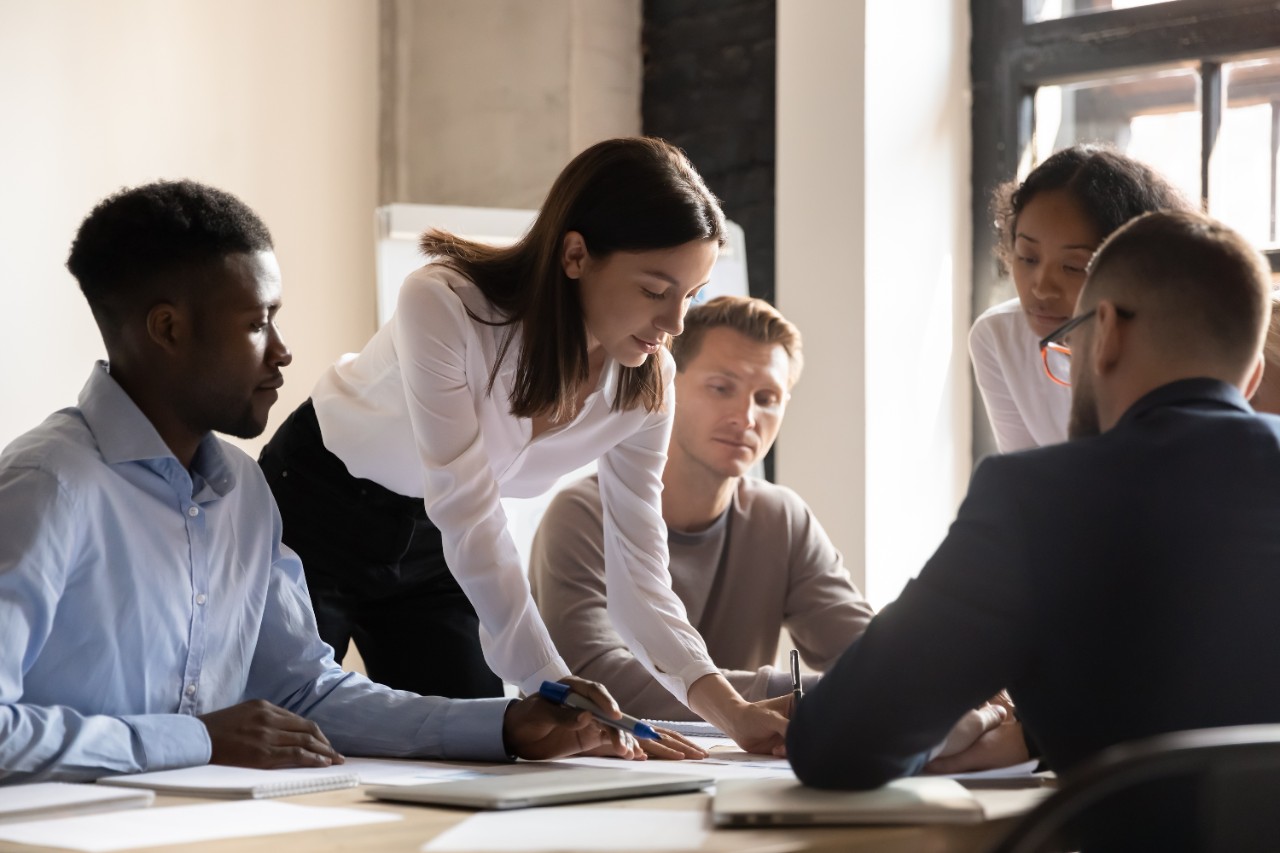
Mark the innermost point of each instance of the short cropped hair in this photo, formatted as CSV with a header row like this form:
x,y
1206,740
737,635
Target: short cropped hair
x,y
754,318
1206,289
137,237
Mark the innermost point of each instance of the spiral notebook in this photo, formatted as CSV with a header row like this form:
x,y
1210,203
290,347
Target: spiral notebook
x,y
689,728
215,780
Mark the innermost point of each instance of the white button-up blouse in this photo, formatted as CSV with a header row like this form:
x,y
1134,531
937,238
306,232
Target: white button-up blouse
x,y
412,413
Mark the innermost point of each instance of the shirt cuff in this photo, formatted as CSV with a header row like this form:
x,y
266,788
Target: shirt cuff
x,y
680,683
473,730
170,741
553,671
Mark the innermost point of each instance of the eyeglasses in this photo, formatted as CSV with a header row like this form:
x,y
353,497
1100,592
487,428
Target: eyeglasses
x,y
1056,355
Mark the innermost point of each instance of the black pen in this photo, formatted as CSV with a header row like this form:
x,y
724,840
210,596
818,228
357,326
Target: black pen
x,y
796,690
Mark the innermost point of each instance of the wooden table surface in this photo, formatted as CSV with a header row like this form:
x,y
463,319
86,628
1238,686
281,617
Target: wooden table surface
x,y
422,823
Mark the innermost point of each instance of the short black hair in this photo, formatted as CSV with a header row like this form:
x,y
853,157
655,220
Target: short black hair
x,y
1110,187
137,236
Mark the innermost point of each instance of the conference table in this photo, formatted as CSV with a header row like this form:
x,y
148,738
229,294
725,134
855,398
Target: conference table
x,y
420,824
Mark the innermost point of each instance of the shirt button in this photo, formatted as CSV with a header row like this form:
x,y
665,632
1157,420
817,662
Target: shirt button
x,y
193,511
191,689
200,599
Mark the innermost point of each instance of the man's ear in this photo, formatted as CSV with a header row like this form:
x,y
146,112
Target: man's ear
x,y
1109,338
573,254
167,326
1254,378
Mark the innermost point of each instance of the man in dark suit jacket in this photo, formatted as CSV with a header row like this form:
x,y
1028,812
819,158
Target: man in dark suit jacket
x,y
1120,585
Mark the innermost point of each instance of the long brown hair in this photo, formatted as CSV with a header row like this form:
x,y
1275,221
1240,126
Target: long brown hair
x,y
632,195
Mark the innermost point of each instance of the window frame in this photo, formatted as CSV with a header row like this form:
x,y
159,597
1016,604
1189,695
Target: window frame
x,y
1010,58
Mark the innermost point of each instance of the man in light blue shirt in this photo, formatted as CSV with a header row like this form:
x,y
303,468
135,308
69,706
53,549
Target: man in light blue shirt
x,y
149,616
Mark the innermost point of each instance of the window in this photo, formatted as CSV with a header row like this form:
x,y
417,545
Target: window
x,y
1046,10
1190,86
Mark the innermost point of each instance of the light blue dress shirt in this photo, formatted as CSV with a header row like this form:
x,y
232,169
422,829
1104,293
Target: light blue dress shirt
x,y
135,595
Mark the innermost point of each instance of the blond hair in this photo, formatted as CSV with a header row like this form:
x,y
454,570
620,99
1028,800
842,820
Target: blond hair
x,y
754,318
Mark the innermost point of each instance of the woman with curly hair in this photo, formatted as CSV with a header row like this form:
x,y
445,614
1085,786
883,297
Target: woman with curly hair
x,y
1048,227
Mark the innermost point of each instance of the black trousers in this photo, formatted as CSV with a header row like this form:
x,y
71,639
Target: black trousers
x,y
375,568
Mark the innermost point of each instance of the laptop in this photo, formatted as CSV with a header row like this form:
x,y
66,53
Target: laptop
x,y
549,788
785,802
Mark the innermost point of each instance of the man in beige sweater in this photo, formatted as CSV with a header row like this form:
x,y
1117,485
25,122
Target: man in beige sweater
x,y
747,556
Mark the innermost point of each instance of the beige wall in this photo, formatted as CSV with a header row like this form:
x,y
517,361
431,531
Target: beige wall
x,y
821,261
278,102
275,101
486,100
873,265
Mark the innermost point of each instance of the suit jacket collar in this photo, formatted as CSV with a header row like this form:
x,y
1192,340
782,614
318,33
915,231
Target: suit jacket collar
x,y
1202,392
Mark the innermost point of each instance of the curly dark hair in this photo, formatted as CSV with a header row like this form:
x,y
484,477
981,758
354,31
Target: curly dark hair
x,y
1109,186
138,236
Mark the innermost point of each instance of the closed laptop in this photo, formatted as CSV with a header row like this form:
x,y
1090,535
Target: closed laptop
x,y
553,787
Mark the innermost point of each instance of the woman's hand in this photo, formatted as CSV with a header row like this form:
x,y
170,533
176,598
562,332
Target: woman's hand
x,y
759,727
1002,746
672,747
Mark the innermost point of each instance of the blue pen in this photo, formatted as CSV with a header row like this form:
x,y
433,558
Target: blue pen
x,y
562,695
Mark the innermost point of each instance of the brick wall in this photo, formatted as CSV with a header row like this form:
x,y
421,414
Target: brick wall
x,y
709,87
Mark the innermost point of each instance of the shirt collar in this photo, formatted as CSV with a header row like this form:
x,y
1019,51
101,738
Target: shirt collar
x,y
1202,391
125,434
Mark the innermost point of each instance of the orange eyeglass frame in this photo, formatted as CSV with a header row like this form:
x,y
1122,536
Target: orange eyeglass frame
x,y
1061,349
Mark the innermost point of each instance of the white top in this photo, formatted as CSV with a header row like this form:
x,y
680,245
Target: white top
x,y
411,413
1026,408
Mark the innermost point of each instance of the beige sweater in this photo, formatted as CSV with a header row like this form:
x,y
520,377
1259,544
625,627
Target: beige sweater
x,y
765,564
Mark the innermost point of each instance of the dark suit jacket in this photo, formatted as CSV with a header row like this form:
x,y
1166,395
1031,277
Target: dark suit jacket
x,y
1119,586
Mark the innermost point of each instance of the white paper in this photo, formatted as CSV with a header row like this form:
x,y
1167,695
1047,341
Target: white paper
x,y
573,828
1026,768
184,825
392,771
1001,803
737,758
66,798
722,769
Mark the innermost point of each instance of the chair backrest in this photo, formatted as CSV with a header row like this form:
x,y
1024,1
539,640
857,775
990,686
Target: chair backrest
x,y
1233,774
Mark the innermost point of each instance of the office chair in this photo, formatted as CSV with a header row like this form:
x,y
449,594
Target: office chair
x,y
1231,774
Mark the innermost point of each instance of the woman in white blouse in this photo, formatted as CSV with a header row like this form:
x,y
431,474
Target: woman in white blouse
x,y
1048,227
502,370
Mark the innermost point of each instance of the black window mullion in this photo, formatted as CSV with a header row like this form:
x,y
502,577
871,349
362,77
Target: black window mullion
x,y
1212,95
